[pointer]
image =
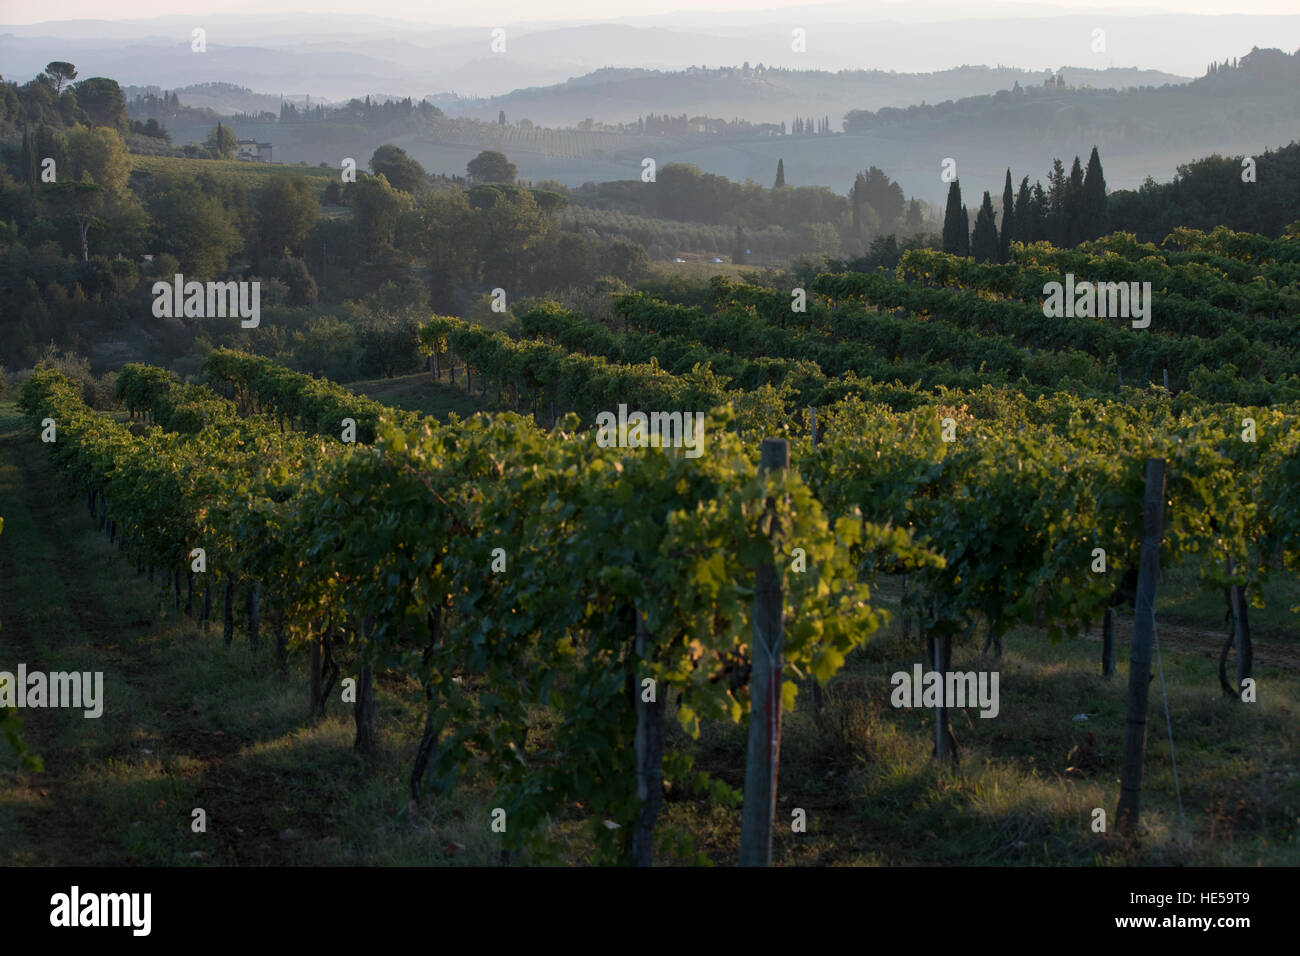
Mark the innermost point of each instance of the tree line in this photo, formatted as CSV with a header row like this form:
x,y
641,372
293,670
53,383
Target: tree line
x,y
1073,209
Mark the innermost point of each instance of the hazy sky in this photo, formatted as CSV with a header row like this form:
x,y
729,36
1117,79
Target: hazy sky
x,y
504,11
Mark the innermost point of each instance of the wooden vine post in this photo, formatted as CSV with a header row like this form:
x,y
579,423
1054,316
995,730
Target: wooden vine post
x,y
649,754
228,620
818,699
1240,629
1144,623
764,748
1108,643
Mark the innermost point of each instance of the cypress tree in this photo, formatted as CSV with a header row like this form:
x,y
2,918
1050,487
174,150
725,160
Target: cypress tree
x,y
954,221
1039,209
915,220
780,174
45,144
1074,205
963,233
1096,220
28,161
1008,221
984,240
1057,186
1024,215
856,198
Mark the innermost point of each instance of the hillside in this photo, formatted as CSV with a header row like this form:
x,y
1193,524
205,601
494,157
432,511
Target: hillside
x,y
340,56
977,551
1145,131
770,95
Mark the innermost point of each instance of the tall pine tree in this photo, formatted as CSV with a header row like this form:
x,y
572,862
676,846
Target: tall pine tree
x,y
1008,221
1096,221
780,174
984,240
954,221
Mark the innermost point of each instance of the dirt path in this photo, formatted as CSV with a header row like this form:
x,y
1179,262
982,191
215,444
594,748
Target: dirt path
x,y
1181,639
1268,650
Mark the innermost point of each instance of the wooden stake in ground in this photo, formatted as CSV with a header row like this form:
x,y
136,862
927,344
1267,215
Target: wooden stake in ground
x,y
253,608
315,672
939,653
818,698
228,621
649,755
427,755
1144,624
281,639
1240,630
764,694
1108,643
363,712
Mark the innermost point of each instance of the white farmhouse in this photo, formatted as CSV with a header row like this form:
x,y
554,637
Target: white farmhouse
x,y
253,151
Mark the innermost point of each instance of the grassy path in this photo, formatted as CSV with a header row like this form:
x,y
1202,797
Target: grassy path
x,y
188,723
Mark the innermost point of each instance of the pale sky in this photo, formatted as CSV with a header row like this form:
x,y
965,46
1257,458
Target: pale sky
x,y
506,11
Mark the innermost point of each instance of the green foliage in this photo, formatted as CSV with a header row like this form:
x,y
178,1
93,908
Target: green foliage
x,y
685,194
400,170
222,142
1007,228
997,525
286,211
378,207
956,237
194,225
60,72
103,102
98,154
491,166
984,238
11,726
298,279
1209,192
